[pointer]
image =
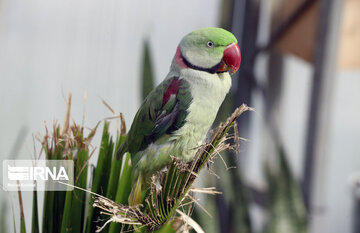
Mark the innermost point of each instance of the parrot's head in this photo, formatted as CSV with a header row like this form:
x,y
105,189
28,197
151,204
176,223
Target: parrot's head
x,y
213,50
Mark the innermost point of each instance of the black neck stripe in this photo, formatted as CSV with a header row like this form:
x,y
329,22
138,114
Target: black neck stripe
x,y
211,70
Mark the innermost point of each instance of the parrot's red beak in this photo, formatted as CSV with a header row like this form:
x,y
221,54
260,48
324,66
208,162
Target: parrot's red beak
x,y
231,59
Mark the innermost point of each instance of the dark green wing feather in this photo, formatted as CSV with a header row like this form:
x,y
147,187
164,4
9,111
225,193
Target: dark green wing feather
x,y
163,111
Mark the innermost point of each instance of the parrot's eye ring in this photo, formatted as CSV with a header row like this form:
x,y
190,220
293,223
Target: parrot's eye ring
x,y
210,44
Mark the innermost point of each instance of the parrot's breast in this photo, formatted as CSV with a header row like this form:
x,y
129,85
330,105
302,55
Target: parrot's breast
x,y
208,92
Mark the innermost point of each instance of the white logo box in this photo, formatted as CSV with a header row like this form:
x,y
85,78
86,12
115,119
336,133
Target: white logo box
x,y
41,175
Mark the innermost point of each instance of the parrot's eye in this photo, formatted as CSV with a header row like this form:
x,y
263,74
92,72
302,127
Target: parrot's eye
x,y
210,44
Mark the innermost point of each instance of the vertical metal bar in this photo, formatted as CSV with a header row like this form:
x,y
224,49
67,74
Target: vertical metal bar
x,y
273,87
244,27
325,58
245,82
356,214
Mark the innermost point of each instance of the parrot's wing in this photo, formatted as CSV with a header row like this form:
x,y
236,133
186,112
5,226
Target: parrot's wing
x,y
164,110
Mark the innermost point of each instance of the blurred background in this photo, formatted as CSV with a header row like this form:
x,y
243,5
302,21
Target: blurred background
x,y
298,170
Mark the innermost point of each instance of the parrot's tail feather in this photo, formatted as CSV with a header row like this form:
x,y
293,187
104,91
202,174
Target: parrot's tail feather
x,y
121,151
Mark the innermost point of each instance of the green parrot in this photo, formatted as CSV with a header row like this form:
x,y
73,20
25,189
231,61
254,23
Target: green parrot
x,y
175,117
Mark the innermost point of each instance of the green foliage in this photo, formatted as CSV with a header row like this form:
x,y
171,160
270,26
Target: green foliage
x,y
65,224
235,192
286,207
78,197
35,215
123,190
64,211
3,224
115,168
101,175
147,71
68,207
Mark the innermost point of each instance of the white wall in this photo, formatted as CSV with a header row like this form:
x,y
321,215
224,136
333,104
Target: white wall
x,y
344,155
49,48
